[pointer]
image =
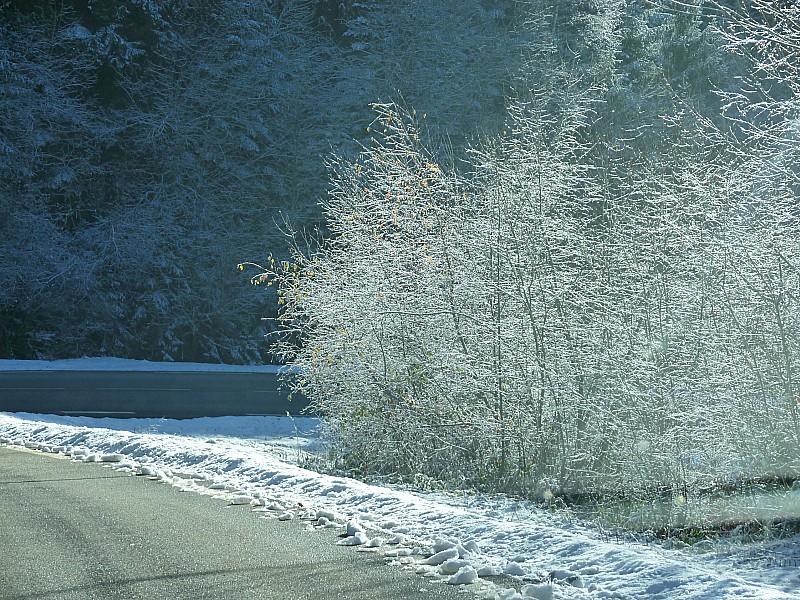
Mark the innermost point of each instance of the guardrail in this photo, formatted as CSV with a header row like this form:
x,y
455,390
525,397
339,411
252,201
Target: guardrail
x,y
141,393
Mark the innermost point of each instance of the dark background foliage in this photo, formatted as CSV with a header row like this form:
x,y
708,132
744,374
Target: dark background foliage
x,y
148,146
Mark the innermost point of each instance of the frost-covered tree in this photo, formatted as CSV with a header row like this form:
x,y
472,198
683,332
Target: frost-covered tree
x,y
172,139
53,181
145,142
454,61
603,300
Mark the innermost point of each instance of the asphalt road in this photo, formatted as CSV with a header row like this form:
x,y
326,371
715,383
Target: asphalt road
x,y
77,531
170,394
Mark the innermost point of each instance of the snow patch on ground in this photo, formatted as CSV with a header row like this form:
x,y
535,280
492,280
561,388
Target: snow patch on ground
x,y
465,541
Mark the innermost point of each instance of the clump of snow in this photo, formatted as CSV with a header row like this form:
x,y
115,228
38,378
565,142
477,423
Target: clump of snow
x,y
453,566
567,576
442,556
398,538
472,546
464,576
357,539
353,527
488,571
76,32
543,591
240,500
112,458
514,569
482,543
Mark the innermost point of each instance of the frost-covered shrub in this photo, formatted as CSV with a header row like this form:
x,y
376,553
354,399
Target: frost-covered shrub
x,y
575,311
519,329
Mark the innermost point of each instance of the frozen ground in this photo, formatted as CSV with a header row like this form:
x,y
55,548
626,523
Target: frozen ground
x,y
458,540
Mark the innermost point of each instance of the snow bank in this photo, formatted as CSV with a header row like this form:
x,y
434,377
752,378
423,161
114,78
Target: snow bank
x,y
463,541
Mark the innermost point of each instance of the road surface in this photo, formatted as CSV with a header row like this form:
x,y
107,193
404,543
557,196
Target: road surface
x,y
77,531
170,394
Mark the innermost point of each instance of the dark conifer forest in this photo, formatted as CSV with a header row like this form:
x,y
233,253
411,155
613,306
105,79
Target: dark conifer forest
x,y
149,146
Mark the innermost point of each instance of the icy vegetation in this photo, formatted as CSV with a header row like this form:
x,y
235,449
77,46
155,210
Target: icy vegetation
x,y
567,311
150,146
496,548
560,261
